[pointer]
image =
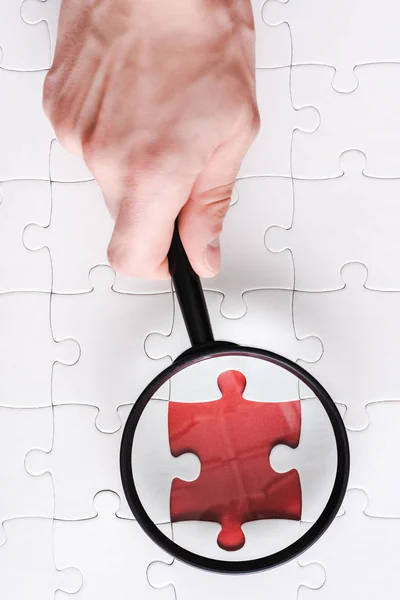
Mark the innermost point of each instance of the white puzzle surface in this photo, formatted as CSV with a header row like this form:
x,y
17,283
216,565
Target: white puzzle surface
x,y
310,270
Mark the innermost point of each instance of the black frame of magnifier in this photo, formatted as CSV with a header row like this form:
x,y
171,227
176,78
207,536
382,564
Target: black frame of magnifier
x,y
194,309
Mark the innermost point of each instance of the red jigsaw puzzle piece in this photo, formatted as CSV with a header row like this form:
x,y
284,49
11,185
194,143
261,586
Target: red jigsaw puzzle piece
x,y
233,438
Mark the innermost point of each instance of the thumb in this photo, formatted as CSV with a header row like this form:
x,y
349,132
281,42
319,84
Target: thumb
x,y
201,219
144,224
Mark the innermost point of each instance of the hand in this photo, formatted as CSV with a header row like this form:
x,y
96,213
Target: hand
x,y
159,99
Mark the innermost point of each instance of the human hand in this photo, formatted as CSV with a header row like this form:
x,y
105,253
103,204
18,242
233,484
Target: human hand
x,y
159,99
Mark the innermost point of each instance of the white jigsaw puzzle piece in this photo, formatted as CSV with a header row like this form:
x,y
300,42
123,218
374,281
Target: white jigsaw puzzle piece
x,y
246,262
343,121
21,494
113,368
77,210
82,462
27,567
315,458
26,366
270,153
26,133
22,202
112,553
358,552
360,331
375,455
43,12
22,48
365,212
340,34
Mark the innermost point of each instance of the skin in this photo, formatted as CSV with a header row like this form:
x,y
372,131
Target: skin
x,y
159,99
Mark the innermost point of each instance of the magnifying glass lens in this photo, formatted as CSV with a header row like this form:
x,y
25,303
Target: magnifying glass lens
x,y
234,460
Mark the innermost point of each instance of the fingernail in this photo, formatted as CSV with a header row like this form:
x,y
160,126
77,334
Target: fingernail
x,y
212,256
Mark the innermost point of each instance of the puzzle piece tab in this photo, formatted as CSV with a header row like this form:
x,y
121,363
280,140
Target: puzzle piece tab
x,y
233,438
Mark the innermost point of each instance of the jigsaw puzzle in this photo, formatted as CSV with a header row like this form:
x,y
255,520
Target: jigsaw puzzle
x,y
310,263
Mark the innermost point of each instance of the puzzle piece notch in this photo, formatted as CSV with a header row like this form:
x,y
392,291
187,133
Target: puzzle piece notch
x,y
35,12
233,438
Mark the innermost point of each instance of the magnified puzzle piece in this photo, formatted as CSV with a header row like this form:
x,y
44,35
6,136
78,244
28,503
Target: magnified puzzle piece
x,y
233,438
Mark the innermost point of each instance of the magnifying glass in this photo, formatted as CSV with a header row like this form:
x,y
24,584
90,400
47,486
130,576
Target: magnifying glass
x,y
234,473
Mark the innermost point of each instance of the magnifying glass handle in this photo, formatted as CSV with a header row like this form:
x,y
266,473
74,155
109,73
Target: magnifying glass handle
x,y
190,293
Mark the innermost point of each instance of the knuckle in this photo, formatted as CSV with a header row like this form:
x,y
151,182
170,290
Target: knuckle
x,y
219,208
253,120
119,260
